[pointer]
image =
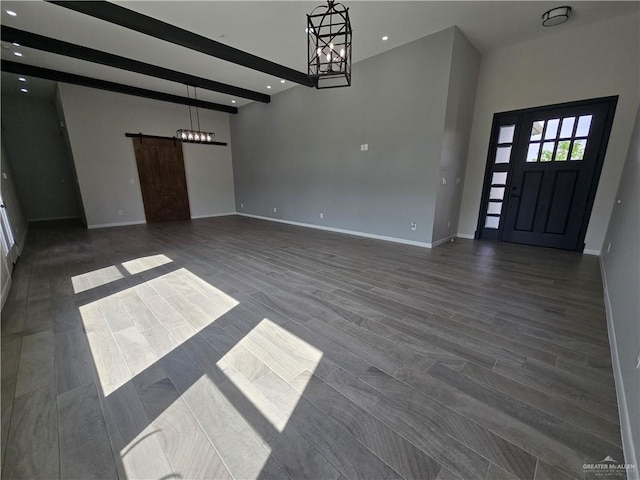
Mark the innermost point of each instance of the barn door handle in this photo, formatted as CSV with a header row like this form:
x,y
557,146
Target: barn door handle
x,y
3,206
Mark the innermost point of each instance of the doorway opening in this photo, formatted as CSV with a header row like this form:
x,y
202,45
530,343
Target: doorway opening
x,y
542,173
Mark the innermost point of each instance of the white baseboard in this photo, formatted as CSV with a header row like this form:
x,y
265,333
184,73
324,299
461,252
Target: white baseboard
x,y
5,292
116,224
628,445
465,235
213,215
442,240
53,219
588,251
340,230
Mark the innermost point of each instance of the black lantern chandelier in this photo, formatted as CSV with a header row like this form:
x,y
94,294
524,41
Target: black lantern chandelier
x,y
191,135
329,45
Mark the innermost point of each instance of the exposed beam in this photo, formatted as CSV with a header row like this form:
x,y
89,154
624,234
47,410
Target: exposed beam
x,y
60,47
55,75
170,33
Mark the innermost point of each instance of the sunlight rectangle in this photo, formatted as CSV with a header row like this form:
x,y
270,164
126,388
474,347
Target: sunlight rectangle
x,y
95,278
268,352
143,264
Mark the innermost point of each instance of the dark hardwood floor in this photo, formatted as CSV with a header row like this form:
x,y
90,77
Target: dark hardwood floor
x,y
237,348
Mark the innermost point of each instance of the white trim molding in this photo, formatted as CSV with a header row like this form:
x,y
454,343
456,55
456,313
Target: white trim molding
x,y
588,251
468,236
628,445
212,215
5,291
117,224
340,230
442,240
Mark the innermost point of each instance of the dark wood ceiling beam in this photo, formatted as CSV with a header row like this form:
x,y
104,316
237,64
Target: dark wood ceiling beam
x,y
165,31
58,76
47,44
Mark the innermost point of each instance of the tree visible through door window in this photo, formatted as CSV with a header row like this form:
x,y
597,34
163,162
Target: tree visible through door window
x,y
558,139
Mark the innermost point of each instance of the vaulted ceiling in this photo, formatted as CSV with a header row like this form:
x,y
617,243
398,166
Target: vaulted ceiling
x,y
54,36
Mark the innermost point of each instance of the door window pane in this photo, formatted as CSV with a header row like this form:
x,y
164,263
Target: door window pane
x,y
536,130
577,152
494,208
503,154
499,178
547,151
506,134
532,154
491,222
552,129
584,124
496,193
567,127
563,151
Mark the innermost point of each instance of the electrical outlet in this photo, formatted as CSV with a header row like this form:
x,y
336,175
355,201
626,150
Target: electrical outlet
x,y
241,205
638,361
321,214
120,212
608,247
449,224
132,181
443,181
275,210
414,225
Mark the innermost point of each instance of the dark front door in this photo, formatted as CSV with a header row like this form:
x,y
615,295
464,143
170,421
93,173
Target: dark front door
x,y
549,177
162,179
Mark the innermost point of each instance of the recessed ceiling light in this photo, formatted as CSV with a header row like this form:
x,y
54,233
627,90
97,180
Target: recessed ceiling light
x,y
233,101
269,87
22,79
16,44
17,54
281,81
385,38
24,90
12,13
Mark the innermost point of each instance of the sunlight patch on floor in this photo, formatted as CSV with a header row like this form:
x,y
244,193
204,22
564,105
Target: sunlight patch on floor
x,y
263,361
95,278
143,264
121,326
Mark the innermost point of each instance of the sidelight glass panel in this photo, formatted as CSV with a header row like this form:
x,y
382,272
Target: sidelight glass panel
x,y
584,124
503,154
577,152
567,127
499,178
496,193
506,134
494,208
491,222
552,129
536,130
562,153
547,151
532,154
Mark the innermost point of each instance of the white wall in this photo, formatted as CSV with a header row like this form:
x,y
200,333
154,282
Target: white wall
x,y
105,161
301,153
571,63
41,166
621,273
463,79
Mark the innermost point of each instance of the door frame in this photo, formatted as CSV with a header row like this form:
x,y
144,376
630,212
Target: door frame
x,y
514,117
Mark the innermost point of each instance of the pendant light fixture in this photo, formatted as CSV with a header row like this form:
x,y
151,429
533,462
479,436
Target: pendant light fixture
x,y
191,135
329,45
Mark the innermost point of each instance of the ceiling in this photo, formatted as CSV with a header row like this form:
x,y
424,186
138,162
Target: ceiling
x,y
272,30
